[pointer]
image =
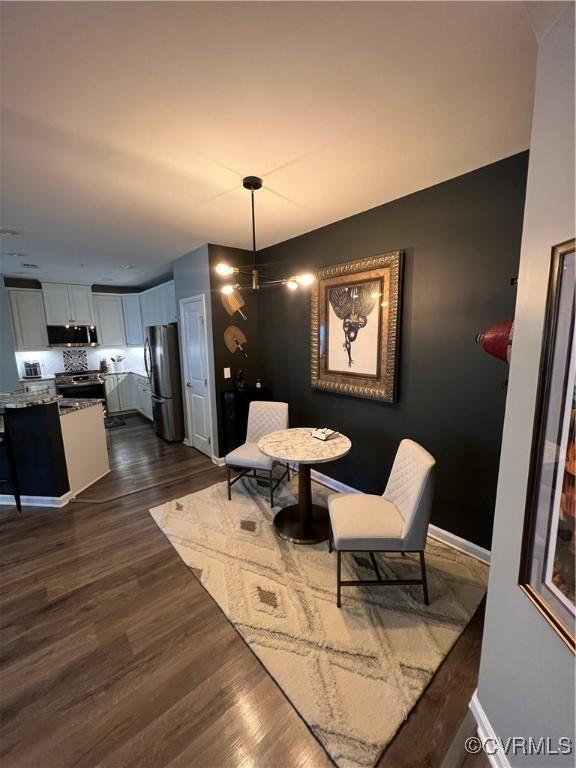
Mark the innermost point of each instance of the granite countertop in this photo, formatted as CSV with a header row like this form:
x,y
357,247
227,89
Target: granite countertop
x,y
68,405
123,373
25,399
299,446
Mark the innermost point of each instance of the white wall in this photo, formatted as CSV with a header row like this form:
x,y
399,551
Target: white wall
x,y
8,372
527,673
192,278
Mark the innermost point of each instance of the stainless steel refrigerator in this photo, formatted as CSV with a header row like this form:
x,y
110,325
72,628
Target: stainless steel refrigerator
x,y
162,361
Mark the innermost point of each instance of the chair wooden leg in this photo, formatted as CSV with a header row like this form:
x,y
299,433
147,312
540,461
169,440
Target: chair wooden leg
x,y
330,539
338,577
271,490
424,580
229,485
288,468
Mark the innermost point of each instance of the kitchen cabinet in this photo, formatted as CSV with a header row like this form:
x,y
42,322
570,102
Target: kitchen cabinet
x,y
119,392
81,304
133,320
109,317
65,304
143,395
128,392
159,305
28,319
112,393
168,303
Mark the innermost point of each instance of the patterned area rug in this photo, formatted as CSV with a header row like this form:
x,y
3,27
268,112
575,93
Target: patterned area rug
x,y
354,673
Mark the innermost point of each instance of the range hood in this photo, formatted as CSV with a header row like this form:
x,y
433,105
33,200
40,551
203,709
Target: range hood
x,y
72,336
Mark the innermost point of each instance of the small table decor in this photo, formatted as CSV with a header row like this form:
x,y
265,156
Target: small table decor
x,y
304,522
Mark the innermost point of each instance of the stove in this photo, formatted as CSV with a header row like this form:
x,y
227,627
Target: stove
x,y
80,377
83,384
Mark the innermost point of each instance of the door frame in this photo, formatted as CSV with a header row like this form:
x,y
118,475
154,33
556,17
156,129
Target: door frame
x,y
181,305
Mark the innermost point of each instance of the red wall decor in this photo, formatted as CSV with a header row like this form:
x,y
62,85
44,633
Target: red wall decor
x,y
497,340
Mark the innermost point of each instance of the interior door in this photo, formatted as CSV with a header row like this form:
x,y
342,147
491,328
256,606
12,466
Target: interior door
x,y
195,369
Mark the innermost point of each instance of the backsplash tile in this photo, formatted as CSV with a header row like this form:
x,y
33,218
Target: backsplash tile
x,y
75,360
51,361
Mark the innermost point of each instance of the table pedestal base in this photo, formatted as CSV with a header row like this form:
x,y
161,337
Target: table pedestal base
x,y
303,523
289,525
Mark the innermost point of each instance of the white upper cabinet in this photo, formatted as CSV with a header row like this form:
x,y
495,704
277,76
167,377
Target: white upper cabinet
x,y
159,305
56,303
81,304
109,319
133,320
66,304
170,303
28,319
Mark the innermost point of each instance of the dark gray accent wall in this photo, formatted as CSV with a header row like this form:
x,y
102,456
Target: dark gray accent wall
x,y
221,320
461,241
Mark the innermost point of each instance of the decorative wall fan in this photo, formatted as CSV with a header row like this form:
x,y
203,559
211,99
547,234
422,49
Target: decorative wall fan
x,y
235,339
233,302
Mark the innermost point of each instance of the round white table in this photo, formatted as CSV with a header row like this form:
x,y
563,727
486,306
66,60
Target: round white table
x,y
303,523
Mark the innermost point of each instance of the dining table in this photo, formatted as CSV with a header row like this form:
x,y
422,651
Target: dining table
x,y
304,522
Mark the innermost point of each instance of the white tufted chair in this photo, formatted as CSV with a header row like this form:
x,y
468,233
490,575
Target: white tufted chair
x,y
263,418
397,521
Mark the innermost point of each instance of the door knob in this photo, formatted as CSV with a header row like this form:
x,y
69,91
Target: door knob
x,y
188,384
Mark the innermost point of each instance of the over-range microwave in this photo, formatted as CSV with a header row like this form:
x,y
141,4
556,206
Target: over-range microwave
x,y
72,336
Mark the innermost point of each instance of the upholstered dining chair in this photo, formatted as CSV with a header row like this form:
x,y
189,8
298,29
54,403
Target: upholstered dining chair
x,y
397,521
264,417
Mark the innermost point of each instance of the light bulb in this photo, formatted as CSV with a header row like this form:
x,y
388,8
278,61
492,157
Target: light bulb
x,y
291,284
225,269
306,279
228,289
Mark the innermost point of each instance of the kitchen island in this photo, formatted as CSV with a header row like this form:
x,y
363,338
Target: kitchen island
x,y
59,448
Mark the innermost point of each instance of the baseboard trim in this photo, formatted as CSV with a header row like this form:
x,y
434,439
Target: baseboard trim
x,y
220,461
456,542
37,501
486,733
329,482
88,485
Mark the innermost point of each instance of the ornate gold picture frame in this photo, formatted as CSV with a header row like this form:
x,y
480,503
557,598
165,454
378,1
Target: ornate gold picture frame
x,y
547,566
356,327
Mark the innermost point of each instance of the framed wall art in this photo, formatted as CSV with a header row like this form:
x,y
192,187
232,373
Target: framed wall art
x,y
355,327
547,568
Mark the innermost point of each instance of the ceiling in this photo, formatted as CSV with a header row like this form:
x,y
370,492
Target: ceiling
x,y
127,127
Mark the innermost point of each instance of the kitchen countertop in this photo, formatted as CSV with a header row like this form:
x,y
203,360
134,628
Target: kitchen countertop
x,y
122,373
68,405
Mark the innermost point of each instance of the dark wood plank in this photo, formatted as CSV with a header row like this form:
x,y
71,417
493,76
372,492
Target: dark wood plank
x,y
112,653
425,737
476,761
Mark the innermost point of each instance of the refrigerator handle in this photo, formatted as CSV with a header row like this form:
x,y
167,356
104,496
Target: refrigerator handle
x,y
147,359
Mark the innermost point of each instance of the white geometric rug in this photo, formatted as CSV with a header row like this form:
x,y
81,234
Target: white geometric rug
x,y
353,673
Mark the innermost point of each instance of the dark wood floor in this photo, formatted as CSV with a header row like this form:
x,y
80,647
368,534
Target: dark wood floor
x,y
112,654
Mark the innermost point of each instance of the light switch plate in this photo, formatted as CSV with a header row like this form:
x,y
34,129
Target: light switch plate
x,y
227,373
